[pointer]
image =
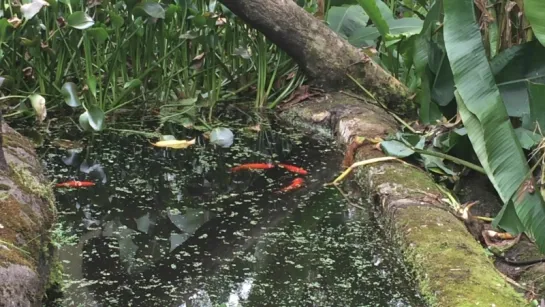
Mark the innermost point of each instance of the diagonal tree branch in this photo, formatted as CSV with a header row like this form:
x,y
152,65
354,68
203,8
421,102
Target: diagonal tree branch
x,y
324,56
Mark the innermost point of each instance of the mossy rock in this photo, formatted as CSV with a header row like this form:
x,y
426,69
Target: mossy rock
x,y
27,216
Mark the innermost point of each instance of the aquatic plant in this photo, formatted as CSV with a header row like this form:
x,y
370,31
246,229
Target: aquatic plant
x,y
183,57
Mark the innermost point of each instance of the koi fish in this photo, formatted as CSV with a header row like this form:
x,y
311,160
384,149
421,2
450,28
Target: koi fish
x,y
250,166
75,184
295,184
293,169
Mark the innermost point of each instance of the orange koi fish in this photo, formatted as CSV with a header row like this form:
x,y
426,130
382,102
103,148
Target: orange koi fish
x,y
293,169
251,166
75,184
295,184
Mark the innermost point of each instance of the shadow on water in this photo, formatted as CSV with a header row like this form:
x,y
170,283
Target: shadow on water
x,y
167,227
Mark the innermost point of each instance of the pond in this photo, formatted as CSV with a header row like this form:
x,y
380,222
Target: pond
x,y
176,227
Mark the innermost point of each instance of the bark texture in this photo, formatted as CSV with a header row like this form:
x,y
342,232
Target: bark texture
x,y
323,55
452,267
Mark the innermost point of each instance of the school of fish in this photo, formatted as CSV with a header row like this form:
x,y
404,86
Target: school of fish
x,y
295,184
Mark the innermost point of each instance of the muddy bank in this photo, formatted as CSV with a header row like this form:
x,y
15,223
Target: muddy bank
x,y
26,218
452,266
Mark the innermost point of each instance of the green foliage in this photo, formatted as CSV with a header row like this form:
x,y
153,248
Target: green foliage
x,y
107,55
474,54
535,12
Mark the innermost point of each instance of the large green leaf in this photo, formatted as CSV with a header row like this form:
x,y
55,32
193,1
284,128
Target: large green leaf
x,y
364,37
534,10
151,9
80,20
507,219
487,123
94,116
70,94
377,13
404,27
442,91
424,46
344,20
29,10
398,29
512,68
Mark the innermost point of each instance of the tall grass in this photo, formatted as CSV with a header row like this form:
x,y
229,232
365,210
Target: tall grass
x,y
182,57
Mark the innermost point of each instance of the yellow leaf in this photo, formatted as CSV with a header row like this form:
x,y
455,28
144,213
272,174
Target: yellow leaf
x,y
178,144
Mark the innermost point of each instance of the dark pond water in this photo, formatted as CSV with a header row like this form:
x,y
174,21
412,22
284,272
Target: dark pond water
x,y
167,227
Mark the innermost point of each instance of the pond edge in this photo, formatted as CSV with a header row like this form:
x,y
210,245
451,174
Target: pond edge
x,y
451,266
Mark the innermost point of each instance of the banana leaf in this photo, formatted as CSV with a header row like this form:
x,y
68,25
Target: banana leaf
x,y
488,126
534,10
512,69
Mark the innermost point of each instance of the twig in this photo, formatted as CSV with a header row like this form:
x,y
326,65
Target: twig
x,y
363,163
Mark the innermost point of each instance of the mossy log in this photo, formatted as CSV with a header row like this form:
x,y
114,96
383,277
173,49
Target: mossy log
x,y
27,214
451,265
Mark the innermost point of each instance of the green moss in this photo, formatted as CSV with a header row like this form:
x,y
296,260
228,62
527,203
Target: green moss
x,y
30,184
453,271
15,140
18,226
412,180
450,265
56,274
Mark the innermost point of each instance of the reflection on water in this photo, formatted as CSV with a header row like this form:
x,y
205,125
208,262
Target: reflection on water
x,y
176,228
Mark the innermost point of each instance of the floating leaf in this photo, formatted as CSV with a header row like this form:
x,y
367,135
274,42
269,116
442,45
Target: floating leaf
x,y
38,103
222,137
151,9
70,94
80,20
96,117
30,10
176,144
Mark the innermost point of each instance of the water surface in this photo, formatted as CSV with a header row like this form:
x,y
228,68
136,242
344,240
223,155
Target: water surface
x,y
167,227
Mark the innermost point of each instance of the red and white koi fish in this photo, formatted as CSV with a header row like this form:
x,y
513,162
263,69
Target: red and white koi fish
x,y
75,184
295,184
252,166
293,169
